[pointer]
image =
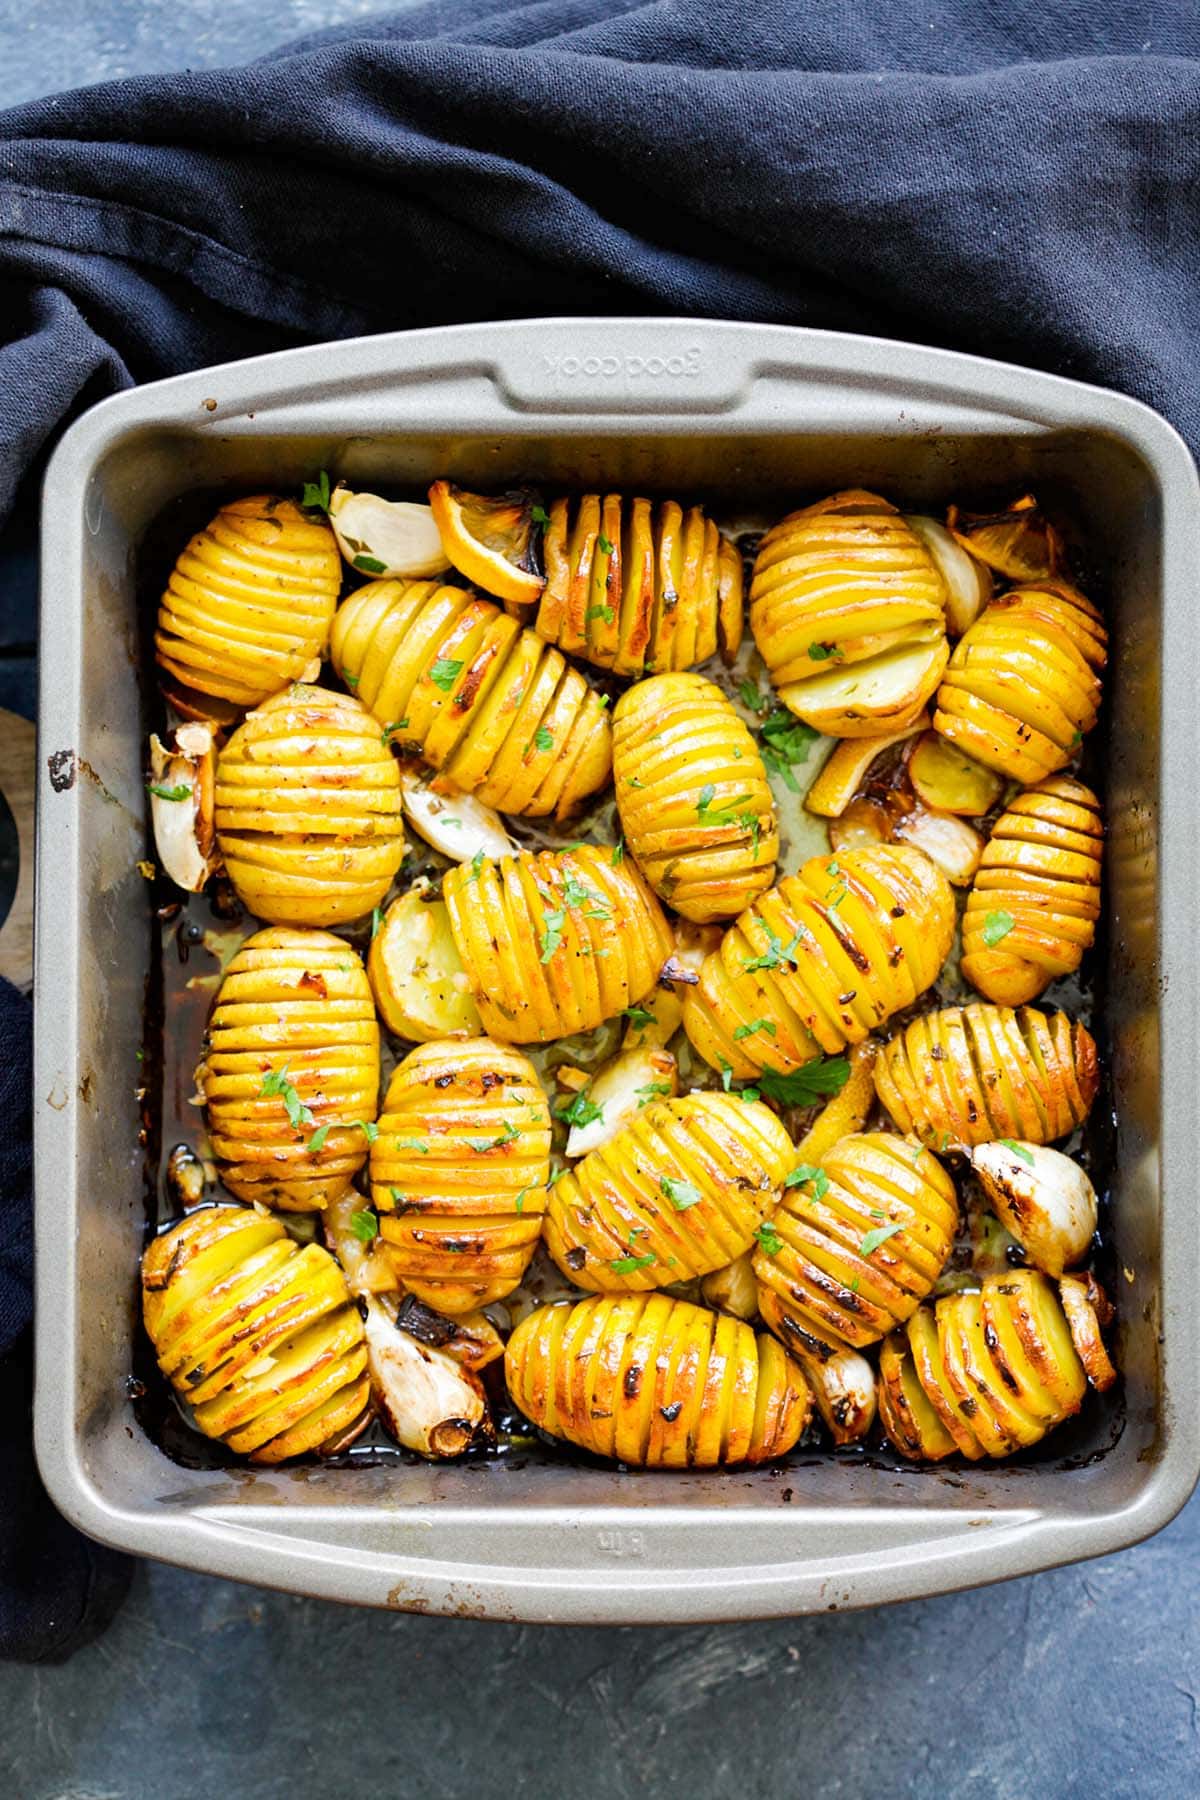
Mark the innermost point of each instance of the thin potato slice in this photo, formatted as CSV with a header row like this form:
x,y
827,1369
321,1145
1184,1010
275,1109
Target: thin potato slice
x,y
417,975
950,781
863,699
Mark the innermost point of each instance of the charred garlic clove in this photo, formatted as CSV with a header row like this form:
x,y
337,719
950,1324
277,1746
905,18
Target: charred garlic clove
x,y
1089,1310
968,581
386,537
181,787
844,1389
352,1233
457,824
615,1094
733,1289
470,1338
1043,1198
947,840
429,1402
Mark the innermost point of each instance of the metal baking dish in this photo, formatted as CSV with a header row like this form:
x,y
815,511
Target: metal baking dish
x,y
729,411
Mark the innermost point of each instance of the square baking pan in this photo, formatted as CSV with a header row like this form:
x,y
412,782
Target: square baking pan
x,y
758,416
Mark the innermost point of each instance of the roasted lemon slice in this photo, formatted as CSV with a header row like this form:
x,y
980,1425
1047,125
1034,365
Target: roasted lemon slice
x,y
491,540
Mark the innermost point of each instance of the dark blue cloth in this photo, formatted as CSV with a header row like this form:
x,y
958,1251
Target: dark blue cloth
x,y
1011,179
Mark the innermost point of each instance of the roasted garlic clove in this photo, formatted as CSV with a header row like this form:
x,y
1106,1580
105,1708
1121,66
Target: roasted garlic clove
x,y
1089,1310
181,788
617,1093
844,1389
1042,1197
947,840
733,1289
427,1400
457,824
471,1338
395,538
968,581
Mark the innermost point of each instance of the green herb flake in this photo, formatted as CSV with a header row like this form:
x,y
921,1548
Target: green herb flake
x,y
745,1031
519,1202
181,792
749,1095
681,1194
482,1145
813,1081
807,1172
317,1141
412,1144
639,1017
825,652
477,862
578,1110
376,921
768,1239
543,739
540,516
1025,1155
628,1265
552,932
785,741
365,1226
389,731
653,1090
720,813
276,1082
752,696
369,1130
315,497
370,565
600,612
726,1073
445,672
603,544
996,926
350,680
618,855
879,1235
776,951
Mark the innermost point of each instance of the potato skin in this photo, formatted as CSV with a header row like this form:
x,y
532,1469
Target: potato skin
x,y
258,1335
818,1290
498,711
295,1001
839,947
250,601
986,1373
968,1074
1023,684
636,587
1041,867
555,942
657,1383
459,1171
308,809
678,1192
841,582
677,742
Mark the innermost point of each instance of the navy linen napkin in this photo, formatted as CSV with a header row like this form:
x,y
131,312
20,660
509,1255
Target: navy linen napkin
x,y
1019,181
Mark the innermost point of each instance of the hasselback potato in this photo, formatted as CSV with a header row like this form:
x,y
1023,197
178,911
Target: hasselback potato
x,y
250,601
679,1191
556,942
258,1335
489,703
1032,911
459,1171
846,607
291,1073
967,1074
656,1382
308,809
638,587
857,1243
693,796
986,1372
1023,685
821,959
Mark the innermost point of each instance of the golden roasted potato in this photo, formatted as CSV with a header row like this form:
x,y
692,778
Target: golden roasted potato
x,y
679,1192
693,795
459,1170
249,603
258,1335
988,1372
291,1073
636,587
846,607
821,959
656,1382
308,809
948,780
416,973
858,1241
556,942
497,710
1032,911
1023,685
970,1073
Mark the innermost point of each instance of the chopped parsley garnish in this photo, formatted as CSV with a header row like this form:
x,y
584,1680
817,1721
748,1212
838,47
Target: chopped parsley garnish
x,y
753,697
639,1017
445,672
618,854
316,494
183,791
708,814
543,738
276,1082
604,544
389,730
552,932
600,612
653,1090
726,1073
412,1144
350,680
578,1110
997,925
376,920
879,1235
769,1239
681,1194
776,951
477,862
519,1202
317,1140
784,741
369,1131
823,652
627,1265
540,516
370,565
1025,1155
365,1226
482,1145
745,1031
809,1172
811,1082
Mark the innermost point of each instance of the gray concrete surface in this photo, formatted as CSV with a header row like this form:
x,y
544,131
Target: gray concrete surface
x,y
1084,1682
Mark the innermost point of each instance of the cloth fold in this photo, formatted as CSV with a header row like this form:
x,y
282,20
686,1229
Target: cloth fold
x,y
1016,181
